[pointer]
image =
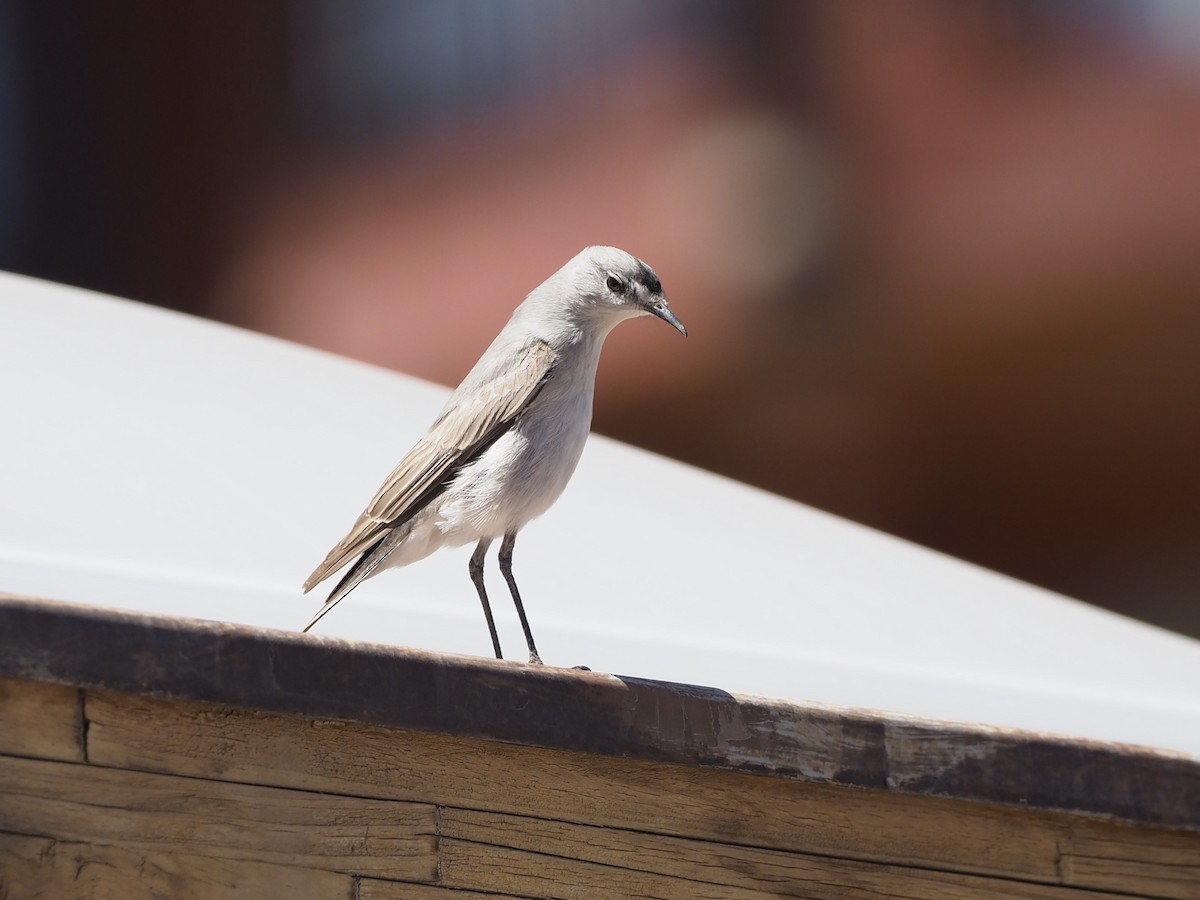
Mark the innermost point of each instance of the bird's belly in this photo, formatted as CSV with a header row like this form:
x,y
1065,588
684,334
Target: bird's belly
x,y
515,480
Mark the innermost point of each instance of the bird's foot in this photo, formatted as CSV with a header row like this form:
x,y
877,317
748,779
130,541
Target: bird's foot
x,y
535,660
581,668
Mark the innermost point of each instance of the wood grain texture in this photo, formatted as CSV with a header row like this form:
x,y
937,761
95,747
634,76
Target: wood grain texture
x,y
374,889
534,857
648,798
39,719
160,813
37,868
368,761
588,712
155,757
1157,864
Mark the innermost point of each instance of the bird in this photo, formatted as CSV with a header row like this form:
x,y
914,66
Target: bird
x,y
509,438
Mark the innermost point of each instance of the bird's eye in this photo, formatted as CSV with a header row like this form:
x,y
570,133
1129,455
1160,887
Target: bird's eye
x,y
615,283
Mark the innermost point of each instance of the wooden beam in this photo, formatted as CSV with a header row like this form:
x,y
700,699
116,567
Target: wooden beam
x,y
159,813
570,788
533,857
39,867
43,720
618,717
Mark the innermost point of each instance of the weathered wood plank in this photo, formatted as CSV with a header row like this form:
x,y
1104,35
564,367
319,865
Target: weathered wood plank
x,y
373,889
262,748
533,857
37,868
877,826
164,814
563,751
38,719
1162,864
602,714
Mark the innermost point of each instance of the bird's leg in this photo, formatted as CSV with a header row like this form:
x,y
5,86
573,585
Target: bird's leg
x,y
475,567
506,549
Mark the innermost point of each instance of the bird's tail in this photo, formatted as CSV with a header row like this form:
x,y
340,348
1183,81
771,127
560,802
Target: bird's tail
x,y
363,567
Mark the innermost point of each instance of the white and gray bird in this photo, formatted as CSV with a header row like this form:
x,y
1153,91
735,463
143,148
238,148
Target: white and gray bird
x,y
509,438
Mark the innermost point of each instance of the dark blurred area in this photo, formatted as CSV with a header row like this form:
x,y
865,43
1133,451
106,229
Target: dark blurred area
x,y
940,261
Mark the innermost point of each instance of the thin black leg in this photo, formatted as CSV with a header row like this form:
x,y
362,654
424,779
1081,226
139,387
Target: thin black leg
x,y
506,549
475,567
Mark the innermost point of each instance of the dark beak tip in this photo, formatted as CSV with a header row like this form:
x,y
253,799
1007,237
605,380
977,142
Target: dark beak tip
x,y
664,312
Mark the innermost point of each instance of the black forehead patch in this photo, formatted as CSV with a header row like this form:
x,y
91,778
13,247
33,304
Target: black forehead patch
x,y
646,276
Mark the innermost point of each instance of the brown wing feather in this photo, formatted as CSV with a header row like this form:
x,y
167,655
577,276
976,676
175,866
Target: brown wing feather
x,y
460,433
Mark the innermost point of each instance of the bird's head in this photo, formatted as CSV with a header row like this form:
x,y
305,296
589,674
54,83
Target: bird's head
x,y
614,285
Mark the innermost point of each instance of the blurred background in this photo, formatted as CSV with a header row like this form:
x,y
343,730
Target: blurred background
x,y
940,261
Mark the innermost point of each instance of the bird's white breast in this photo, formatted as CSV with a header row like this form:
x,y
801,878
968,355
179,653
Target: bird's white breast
x,y
521,475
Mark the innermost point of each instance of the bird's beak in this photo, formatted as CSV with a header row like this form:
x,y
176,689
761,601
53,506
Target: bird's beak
x,y
658,307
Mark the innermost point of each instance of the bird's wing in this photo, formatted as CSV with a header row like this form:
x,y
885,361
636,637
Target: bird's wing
x,y
460,433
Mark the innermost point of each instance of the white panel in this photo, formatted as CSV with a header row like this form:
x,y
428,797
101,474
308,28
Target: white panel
x,y
158,462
